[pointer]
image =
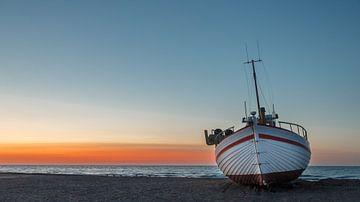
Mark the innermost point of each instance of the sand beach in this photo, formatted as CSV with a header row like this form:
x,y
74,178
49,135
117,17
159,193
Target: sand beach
x,y
44,187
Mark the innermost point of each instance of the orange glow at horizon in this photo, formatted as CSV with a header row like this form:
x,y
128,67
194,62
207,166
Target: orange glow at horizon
x,y
134,154
97,153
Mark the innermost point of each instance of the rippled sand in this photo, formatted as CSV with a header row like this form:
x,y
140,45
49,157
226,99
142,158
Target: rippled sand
x,y
33,187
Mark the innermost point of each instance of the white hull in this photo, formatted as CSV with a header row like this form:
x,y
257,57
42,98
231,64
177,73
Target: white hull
x,y
263,155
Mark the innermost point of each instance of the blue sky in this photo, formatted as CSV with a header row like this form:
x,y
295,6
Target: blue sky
x,y
79,66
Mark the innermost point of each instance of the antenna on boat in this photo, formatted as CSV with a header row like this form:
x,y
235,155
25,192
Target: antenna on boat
x,y
247,54
273,111
258,49
246,116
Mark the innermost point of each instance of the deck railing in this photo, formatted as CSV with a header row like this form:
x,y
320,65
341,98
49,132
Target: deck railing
x,y
295,128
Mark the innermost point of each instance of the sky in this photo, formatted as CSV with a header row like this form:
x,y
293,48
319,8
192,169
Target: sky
x,y
137,82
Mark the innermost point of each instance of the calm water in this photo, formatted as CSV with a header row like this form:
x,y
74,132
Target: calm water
x,y
311,173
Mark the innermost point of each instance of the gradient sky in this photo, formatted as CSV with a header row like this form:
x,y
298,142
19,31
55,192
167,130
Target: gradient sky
x,y
115,78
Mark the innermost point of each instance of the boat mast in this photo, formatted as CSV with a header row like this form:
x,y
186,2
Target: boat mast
x,y
256,87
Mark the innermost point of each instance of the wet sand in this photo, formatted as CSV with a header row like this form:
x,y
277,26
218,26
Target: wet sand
x,y
41,187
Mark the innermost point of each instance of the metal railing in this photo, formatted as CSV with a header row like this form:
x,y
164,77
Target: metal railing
x,y
292,126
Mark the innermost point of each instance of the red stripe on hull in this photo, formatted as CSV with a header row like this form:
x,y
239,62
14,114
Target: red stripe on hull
x,y
280,139
263,136
250,137
269,178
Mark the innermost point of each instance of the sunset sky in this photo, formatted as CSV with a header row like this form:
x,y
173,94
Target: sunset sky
x,y
137,82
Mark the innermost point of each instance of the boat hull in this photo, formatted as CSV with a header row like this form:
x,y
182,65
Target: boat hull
x,y
263,155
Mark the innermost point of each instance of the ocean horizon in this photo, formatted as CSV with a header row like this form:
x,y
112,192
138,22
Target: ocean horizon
x,y
312,173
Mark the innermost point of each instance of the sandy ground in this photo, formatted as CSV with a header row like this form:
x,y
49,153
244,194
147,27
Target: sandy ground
x,y
33,187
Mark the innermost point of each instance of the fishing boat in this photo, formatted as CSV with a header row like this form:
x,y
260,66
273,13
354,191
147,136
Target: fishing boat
x,y
265,151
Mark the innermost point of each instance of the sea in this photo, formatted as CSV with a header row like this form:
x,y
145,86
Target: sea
x,y
312,173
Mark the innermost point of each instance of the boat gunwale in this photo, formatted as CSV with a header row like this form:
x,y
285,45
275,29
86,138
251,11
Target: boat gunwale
x,y
243,128
284,130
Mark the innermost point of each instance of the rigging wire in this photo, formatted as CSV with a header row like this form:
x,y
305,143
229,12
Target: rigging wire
x,y
258,48
267,78
268,81
268,93
247,54
262,94
249,92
